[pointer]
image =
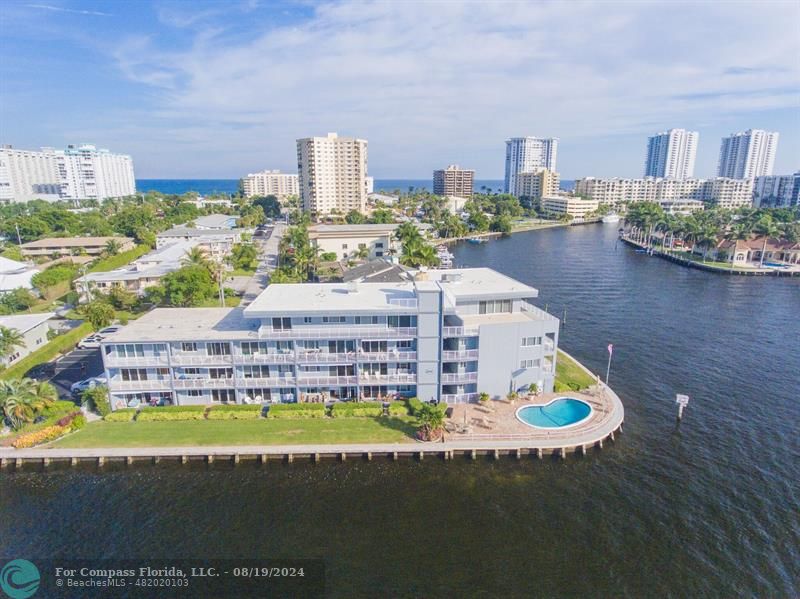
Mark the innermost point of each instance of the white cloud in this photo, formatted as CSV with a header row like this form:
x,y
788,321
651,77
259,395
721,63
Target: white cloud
x,y
49,7
431,83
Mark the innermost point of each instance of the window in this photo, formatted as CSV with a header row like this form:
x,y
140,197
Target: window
x,y
402,321
530,341
379,245
361,246
529,363
223,395
194,393
494,306
218,349
220,373
280,324
344,246
307,319
333,319
378,254
188,346
134,374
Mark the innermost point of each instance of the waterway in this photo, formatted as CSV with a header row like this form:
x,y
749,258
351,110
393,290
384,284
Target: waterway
x,y
708,508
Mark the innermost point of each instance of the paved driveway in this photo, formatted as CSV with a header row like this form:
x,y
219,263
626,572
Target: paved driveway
x,y
268,260
75,366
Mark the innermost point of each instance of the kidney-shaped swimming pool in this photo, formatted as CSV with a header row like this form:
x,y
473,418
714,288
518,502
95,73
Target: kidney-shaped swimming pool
x,y
559,413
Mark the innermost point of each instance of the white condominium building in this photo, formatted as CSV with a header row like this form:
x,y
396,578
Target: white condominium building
x,y
332,173
777,191
747,155
536,184
729,193
271,183
671,154
572,205
28,174
76,173
453,181
446,336
527,154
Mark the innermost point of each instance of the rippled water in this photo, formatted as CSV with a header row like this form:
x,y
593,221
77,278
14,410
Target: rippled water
x,y
709,508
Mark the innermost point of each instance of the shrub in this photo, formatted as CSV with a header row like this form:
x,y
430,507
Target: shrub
x,y
66,421
328,257
297,410
398,408
124,415
237,412
172,413
96,399
560,387
57,409
78,422
414,405
368,409
44,435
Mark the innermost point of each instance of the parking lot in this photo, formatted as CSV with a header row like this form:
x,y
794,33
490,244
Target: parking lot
x,y
75,366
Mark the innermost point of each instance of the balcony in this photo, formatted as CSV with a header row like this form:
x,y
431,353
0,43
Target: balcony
x,y
339,332
274,381
112,361
116,384
203,383
322,357
269,358
387,356
459,397
366,378
459,377
459,331
549,345
179,359
313,381
461,354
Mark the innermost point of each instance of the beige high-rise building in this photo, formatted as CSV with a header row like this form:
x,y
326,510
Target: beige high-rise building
x,y
332,173
270,183
536,184
453,181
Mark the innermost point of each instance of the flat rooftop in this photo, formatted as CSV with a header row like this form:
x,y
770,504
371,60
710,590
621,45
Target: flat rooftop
x,y
480,282
187,232
187,324
337,298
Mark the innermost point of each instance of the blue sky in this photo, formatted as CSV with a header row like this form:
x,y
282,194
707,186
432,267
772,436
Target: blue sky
x,y
219,89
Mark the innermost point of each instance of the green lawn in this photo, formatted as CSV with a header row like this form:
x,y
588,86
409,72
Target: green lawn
x,y
213,302
120,259
570,375
241,432
241,272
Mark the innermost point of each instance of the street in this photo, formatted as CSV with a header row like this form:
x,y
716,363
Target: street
x,y
268,260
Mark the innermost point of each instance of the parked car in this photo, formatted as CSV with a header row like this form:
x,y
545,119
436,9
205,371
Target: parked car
x,y
90,342
90,383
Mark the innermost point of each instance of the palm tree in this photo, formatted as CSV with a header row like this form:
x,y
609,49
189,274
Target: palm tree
x,y
407,233
196,256
707,237
22,399
431,419
113,247
10,339
766,227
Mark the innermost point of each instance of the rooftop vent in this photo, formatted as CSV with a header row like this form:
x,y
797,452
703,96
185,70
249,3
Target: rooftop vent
x,y
451,277
352,287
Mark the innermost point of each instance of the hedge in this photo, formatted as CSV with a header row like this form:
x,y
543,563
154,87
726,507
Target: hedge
x,y
414,405
44,435
124,415
234,412
61,344
120,259
296,410
369,409
398,408
172,413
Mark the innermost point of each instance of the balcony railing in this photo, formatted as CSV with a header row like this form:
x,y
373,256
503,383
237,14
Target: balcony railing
x,y
112,360
149,384
459,397
459,377
339,332
317,357
390,377
549,345
179,359
203,383
459,331
461,354
259,358
387,356
273,381
310,381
